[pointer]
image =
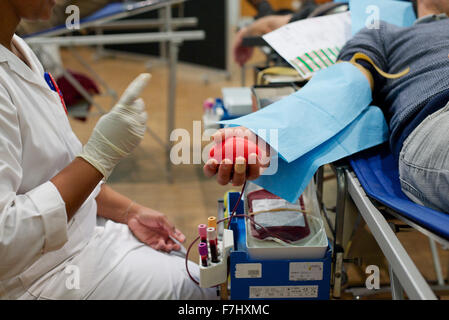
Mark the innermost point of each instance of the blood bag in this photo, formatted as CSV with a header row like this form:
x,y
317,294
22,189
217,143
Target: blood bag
x,y
273,217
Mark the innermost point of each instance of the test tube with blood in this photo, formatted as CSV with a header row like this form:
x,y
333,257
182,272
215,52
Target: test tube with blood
x,y
212,223
212,236
202,230
202,249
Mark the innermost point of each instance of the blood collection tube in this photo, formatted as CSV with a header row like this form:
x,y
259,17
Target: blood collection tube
x,y
202,249
212,222
212,236
202,230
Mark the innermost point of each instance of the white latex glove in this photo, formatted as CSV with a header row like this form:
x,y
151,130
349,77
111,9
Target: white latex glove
x,y
120,131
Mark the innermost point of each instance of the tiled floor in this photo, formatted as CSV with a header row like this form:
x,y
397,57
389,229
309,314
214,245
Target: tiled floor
x,y
191,198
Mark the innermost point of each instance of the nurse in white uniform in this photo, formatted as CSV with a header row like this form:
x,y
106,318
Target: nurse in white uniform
x,y
51,192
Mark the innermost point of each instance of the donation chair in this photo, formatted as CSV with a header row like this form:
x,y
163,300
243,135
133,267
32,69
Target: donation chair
x,y
371,179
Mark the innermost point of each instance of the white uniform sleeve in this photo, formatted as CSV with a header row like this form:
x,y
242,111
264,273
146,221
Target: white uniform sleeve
x,y
31,224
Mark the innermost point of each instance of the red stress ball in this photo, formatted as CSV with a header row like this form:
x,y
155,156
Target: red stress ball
x,y
232,148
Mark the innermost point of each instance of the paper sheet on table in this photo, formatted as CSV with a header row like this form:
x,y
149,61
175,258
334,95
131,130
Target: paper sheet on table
x,y
312,44
291,179
365,13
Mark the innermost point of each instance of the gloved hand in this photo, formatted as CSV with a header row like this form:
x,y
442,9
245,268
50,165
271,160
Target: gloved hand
x,y
120,131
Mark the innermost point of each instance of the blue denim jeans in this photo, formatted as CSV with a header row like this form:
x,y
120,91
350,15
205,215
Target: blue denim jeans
x,y
424,162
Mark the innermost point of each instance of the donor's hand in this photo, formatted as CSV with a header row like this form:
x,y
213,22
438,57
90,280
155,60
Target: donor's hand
x,y
238,155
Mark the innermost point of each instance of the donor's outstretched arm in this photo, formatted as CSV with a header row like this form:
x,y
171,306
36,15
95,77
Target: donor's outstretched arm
x,y
314,114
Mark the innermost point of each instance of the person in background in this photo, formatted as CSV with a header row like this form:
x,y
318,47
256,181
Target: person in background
x,y
268,20
263,8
